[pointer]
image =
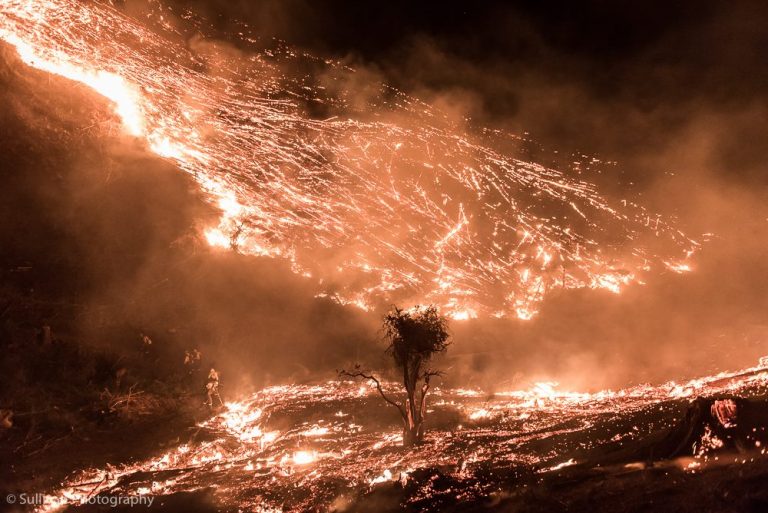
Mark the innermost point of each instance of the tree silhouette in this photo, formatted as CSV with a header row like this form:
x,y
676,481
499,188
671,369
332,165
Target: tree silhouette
x,y
414,337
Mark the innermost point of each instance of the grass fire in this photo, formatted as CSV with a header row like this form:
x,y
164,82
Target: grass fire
x,y
293,256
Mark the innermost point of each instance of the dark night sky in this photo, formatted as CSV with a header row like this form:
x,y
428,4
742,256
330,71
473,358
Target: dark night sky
x,y
619,79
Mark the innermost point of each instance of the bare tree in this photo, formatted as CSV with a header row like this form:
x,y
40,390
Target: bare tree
x,y
414,338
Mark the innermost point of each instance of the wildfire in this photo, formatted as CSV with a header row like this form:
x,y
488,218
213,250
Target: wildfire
x,y
253,466
404,204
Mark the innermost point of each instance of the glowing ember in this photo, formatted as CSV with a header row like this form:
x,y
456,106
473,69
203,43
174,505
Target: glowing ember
x,y
393,204
303,457
335,455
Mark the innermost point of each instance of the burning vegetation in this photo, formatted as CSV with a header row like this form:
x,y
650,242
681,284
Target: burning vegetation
x,y
328,447
400,200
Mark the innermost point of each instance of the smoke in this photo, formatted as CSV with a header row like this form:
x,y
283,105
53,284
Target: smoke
x,y
105,241
680,107
674,109
673,101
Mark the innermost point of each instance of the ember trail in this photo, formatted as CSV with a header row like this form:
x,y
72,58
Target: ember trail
x,y
396,202
314,447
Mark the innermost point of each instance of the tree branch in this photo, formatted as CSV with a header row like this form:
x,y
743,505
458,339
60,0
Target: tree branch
x,y
423,402
360,374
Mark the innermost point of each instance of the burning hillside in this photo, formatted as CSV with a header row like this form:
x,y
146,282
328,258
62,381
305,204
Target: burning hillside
x,y
396,202
320,447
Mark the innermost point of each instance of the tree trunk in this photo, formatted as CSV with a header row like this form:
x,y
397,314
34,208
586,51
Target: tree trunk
x,y
422,412
413,435
415,409
409,438
413,423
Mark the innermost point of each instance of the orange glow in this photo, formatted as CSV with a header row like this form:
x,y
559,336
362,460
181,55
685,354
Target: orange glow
x,y
111,86
243,455
410,208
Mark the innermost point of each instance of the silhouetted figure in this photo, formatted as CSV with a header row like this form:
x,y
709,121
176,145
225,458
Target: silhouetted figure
x,y
212,388
146,344
728,423
192,361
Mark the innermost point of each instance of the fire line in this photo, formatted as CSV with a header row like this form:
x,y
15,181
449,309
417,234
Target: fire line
x,y
397,203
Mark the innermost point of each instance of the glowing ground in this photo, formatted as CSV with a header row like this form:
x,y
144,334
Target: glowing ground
x,y
308,447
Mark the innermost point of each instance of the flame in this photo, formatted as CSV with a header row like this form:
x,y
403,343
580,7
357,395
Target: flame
x,y
679,267
304,457
109,85
409,206
251,465
385,477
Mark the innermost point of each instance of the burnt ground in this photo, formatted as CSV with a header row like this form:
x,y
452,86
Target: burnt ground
x,y
616,454
732,486
619,479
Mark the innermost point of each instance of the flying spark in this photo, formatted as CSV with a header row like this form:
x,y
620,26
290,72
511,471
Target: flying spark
x,y
392,203
253,466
